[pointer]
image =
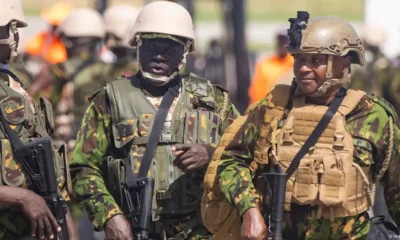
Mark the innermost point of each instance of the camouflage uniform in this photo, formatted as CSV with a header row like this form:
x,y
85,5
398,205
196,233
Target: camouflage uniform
x,y
203,102
368,122
29,123
71,92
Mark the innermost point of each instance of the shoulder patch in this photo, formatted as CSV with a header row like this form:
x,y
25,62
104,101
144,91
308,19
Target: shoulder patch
x,y
384,104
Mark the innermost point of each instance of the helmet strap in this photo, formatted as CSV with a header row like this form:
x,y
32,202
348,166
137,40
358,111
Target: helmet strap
x,y
329,80
11,41
158,78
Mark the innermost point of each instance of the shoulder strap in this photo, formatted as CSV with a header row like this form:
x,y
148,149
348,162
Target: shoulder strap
x,y
120,93
351,101
319,129
82,66
8,72
157,128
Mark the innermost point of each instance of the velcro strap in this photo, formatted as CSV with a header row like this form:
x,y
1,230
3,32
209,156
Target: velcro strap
x,y
164,138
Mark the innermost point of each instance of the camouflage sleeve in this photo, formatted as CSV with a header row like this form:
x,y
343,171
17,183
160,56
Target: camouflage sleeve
x,y
370,123
92,144
233,169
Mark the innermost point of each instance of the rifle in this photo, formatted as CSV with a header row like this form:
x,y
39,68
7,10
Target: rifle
x,y
276,189
37,160
138,195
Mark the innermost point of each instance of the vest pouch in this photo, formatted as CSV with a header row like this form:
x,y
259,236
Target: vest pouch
x,y
115,175
207,126
332,189
124,132
11,172
305,188
192,191
190,132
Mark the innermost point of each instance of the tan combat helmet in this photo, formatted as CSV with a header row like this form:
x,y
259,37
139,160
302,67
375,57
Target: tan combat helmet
x,y
82,22
161,19
165,18
11,12
325,35
118,21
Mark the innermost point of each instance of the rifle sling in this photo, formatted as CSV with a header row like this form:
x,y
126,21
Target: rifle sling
x,y
154,136
319,129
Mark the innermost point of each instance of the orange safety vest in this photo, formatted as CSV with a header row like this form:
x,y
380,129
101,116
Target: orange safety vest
x,y
268,72
47,45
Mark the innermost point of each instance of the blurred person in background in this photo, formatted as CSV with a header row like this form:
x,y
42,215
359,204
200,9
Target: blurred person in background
x,y
394,88
375,77
272,70
118,21
74,80
46,48
215,62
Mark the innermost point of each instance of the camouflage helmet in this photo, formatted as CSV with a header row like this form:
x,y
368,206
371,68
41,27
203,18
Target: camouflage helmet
x,y
118,20
325,35
11,12
82,22
164,18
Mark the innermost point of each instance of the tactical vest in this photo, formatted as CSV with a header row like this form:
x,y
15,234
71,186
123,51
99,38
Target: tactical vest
x,y
327,176
194,120
28,126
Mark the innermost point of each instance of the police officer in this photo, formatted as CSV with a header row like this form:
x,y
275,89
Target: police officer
x,y
118,21
121,116
23,212
330,192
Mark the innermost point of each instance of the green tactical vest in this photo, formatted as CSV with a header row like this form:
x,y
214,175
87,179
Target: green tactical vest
x,y
194,121
18,113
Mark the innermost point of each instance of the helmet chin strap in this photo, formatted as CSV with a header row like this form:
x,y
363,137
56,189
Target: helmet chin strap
x,y
11,42
159,79
329,80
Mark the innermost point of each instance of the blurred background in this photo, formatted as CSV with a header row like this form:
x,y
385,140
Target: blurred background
x,y
229,30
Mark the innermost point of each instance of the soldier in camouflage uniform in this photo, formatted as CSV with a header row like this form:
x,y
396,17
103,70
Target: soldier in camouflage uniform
x,y
23,214
118,21
75,80
121,117
376,76
316,192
